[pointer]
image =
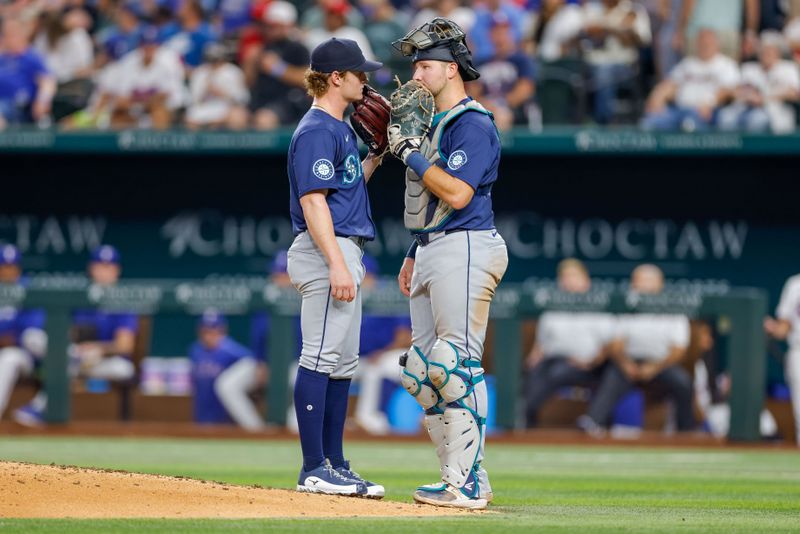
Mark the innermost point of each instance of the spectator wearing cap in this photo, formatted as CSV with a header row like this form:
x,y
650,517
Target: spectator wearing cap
x,y
314,17
26,85
274,71
224,374
102,342
614,32
480,35
335,25
218,93
146,85
121,38
506,86
688,100
23,341
194,35
768,89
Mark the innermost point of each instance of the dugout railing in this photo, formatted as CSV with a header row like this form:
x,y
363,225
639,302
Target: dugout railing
x,y
743,309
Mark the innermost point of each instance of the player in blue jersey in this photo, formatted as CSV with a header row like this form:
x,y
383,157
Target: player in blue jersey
x,y
224,373
102,342
455,263
23,341
331,220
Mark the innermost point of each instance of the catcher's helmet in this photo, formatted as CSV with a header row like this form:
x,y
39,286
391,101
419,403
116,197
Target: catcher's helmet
x,y
441,40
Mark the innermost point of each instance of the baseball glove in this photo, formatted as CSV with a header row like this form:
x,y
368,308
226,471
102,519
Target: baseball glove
x,y
370,120
412,114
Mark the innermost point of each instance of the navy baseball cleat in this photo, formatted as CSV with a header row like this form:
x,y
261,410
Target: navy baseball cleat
x,y
325,479
374,491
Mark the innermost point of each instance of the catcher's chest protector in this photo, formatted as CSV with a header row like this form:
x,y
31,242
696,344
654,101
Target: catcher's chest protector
x,y
424,211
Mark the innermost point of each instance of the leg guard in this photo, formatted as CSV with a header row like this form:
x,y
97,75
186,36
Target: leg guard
x,y
463,431
447,371
415,379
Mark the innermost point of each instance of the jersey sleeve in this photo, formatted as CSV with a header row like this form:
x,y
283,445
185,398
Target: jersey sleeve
x,y
126,321
469,150
314,161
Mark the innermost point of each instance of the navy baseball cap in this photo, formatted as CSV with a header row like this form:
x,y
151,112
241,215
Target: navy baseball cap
x,y
341,55
150,36
212,319
105,254
9,255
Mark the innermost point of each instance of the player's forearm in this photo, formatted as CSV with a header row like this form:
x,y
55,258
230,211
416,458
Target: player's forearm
x,y
370,163
320,225
453,191
675,356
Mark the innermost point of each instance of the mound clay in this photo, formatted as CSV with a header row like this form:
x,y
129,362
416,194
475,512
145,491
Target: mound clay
x,y
39,491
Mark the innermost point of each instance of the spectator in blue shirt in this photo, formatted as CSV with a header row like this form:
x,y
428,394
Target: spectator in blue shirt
x,y
26,86
506,85
480,35
224,373
194,35
121,38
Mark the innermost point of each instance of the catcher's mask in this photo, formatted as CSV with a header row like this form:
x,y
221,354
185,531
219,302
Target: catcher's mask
x,y
439,40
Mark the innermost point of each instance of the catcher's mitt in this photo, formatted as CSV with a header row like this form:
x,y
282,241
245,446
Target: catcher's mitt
x,y
411,118
370,120
413,109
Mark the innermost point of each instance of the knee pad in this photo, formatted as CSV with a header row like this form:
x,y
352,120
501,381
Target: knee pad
x,y
447,373
463,431
415,380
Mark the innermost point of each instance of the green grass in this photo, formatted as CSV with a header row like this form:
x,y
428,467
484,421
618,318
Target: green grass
x,y
537,488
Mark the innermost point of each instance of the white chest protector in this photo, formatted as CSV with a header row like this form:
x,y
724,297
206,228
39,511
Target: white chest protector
x,y
418,197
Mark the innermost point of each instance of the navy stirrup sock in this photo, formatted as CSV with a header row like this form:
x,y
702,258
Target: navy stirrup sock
x,y
310,390
335,414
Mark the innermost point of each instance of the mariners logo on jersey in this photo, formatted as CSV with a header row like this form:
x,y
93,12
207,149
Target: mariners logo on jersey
x,y
352,169
323,169
457,160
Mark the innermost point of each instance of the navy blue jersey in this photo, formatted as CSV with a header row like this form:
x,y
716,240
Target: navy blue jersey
x,y
259,332
499,75
105,324
207,365
377,332
324,154
469,150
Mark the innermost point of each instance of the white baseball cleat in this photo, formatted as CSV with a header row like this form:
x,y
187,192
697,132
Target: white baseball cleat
x,y
325,479
448,496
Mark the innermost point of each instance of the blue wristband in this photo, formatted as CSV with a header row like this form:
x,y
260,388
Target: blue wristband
x,y
412,251
418,163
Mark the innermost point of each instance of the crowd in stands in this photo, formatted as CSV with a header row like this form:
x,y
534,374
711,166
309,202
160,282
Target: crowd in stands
x,y
239,64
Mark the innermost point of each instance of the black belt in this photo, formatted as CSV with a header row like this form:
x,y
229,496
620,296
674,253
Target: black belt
x,y
360,241
424,239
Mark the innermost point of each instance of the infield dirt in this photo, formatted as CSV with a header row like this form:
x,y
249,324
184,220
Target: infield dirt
x,y
50,491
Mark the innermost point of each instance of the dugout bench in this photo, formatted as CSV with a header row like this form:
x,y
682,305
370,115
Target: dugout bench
x,y
743,309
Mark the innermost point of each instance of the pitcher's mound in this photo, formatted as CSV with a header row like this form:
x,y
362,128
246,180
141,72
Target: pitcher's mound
x,y
53,491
